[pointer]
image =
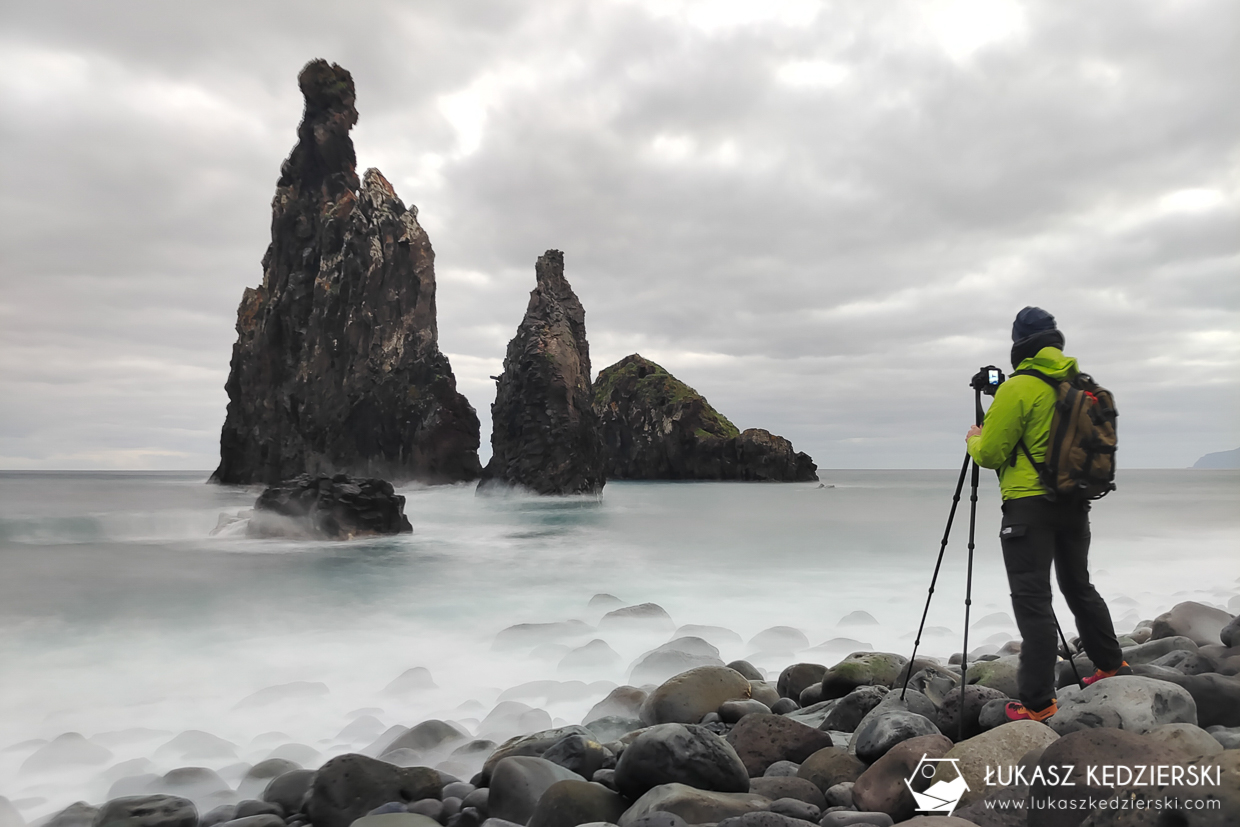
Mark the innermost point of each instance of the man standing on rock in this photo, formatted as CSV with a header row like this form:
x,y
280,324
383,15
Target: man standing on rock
x,y
1037,530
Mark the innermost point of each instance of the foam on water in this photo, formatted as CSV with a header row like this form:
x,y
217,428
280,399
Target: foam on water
x,y
122,619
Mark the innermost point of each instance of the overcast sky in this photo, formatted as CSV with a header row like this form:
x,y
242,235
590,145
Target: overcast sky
x,y
823,216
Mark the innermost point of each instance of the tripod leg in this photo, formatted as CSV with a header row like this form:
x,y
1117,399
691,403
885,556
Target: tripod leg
x,y
951,515
1068,649
968,595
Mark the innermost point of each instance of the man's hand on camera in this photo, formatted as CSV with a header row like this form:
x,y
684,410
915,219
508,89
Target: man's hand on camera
x,y
974,430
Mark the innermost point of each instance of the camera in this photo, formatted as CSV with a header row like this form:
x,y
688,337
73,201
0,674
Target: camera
x,y
987,380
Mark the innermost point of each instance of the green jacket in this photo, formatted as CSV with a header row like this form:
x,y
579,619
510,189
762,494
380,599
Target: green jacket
x,y
1022,409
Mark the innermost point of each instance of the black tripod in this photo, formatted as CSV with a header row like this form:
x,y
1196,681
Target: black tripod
x,y
986,381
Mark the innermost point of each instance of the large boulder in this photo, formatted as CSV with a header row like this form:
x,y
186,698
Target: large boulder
x,y
288,789
518,783
1190,739
320,507
693,805
953,709
830,766
881,788
1067,772
796,678
788,786
621,702
849,710
687,697
584,756
569,803
147,811
672,658
534,744
337,367
656,427
879,733
428,736
350,786
762,739
1124,702
862,669
1199,623
1217,696
983,759
545,436
679,754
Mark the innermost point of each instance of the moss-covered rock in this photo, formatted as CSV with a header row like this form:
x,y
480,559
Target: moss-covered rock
x,y
656,427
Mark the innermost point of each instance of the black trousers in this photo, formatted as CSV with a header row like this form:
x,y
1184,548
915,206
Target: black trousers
x,y
1035,533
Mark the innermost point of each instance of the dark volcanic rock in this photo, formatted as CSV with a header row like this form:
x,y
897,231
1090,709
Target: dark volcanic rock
x,y
545,434
337,366
328,508
656,427
350,786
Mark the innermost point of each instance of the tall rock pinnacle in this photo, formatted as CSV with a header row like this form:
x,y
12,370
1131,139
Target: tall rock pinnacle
x,y
337,367
545,434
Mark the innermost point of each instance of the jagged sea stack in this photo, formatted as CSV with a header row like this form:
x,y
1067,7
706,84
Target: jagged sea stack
x,y
337,367
656,427
545,435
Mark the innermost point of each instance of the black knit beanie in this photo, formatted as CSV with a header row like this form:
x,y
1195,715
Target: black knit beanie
x,y
1033,330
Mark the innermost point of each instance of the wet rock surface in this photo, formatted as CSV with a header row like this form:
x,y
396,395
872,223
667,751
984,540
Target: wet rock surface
x,y
337,367
328,508
545,435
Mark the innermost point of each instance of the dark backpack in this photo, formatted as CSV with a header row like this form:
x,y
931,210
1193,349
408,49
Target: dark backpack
x,y
1080,452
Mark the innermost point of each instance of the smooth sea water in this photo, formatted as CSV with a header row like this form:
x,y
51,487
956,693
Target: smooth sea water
x,y
123,619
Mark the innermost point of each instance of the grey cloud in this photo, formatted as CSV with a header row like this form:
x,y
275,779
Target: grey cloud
x,y
829,262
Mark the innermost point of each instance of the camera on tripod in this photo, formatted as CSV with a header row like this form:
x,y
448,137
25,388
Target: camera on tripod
x,y
987,380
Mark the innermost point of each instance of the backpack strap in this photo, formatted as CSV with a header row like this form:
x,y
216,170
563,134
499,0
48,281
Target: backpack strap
x,y
1054,383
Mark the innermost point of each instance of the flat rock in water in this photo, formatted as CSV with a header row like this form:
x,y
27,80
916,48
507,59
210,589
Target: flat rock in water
x,y
593,655
643,615
69,749
320,507
1127,702
672,658
147,811
350,786
780,639
693,805
411,680
679,754
427,736
532,634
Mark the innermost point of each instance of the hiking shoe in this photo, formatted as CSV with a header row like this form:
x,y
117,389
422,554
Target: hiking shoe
x,y
1016,711
1099,674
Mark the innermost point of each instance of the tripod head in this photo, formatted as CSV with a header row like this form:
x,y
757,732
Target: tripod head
x,y
987,380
